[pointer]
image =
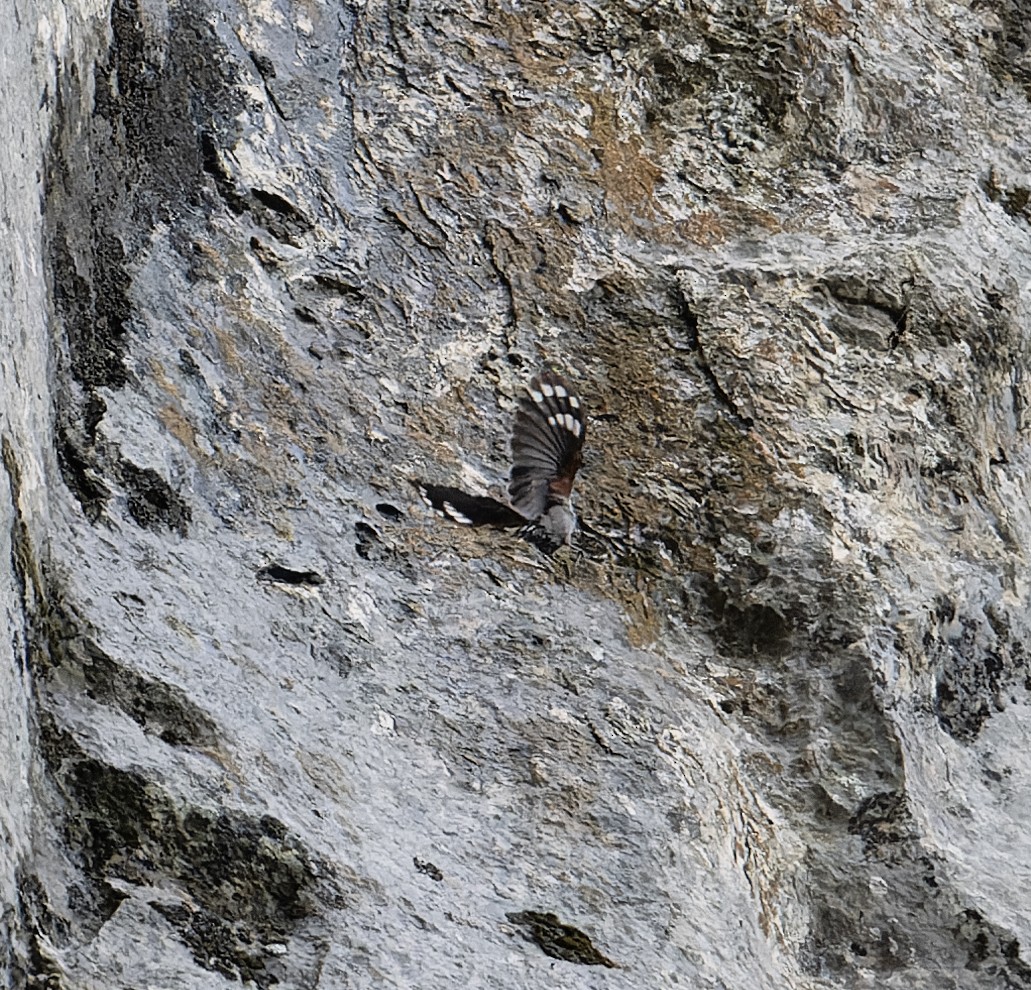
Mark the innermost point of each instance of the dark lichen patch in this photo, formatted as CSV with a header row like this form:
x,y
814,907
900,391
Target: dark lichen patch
x,y
218,945
427,868
964,697
338,657
754,630
138,159
882,819
251,881
64,649
558,940
151,501
93,305
27,961
92,904
969,657
990,950
1006,40
157,93
80,475
1015,201
839,936
159,709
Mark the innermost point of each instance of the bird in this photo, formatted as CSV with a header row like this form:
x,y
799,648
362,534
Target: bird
x,y
548,436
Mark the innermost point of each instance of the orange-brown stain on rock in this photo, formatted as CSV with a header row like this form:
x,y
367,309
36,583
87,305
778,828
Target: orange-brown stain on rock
x,y
626,173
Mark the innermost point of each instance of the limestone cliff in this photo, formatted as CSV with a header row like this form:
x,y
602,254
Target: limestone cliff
x,y
269,722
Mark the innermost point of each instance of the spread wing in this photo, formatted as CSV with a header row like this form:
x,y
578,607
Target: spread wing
x,y
469,510
547,441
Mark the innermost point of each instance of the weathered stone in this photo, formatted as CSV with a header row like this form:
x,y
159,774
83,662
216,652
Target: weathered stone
x,y
269,722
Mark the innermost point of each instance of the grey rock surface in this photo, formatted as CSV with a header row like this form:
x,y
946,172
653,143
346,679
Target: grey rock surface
x,y
268,722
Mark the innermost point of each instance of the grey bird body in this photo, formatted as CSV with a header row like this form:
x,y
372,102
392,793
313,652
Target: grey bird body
x,y
559,522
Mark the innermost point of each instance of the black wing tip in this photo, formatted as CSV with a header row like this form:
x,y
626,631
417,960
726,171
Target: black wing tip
x,y
468,510
426,491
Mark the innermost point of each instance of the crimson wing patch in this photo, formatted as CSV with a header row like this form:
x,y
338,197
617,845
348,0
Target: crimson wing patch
x,y
547,443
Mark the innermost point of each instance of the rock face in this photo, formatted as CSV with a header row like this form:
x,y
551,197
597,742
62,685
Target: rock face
x,y
267,721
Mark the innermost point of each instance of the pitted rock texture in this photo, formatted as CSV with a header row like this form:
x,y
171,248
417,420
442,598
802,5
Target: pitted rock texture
x,y
273,724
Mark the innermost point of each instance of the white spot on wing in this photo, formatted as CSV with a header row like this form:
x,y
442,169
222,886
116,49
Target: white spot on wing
x,y
547,390
574,402
458,517
577,428
560,391
552,421
536,396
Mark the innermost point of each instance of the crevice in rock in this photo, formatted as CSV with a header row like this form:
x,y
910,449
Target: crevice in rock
x,y
388,511
279,574
694,341
856,291
151,501
24,563
42,924
368,544
284,221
